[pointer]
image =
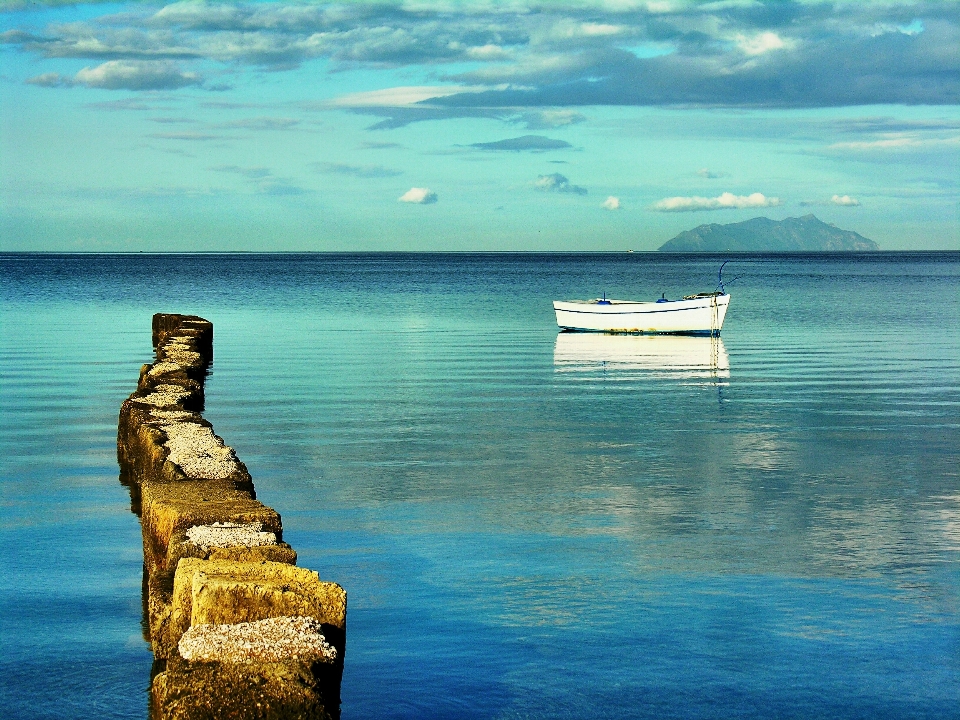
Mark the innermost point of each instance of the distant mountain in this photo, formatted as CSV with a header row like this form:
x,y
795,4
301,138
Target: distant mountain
x,y
807,233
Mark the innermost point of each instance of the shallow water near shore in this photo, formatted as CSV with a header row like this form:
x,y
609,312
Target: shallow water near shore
x,y
528,524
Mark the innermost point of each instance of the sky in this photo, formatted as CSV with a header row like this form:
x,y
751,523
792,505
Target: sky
x,y
472,125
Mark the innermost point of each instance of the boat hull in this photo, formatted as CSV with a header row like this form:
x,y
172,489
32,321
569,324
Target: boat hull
x,y
697,316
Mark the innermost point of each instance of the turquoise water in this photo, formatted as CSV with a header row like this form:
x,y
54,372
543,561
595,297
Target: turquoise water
x,y
528,525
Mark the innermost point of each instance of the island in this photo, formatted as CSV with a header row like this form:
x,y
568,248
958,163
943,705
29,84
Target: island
x,y
802,234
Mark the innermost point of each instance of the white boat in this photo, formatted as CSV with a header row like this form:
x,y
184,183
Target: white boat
x,y
694,315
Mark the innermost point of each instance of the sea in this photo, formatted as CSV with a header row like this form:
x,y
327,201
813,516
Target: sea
x,y
528,524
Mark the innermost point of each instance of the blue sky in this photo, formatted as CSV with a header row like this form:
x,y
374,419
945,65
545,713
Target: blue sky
x,y
606,125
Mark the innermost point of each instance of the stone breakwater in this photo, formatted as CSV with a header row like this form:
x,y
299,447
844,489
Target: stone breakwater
x,y
236,628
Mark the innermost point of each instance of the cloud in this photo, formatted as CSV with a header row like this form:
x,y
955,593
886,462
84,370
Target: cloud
x,y
884,144
192,136
568,29
136,75
487,52
18,37
278,186
379,145
123,75
420,196
254,173
841,200
51,79
263,181
261,123
710,174
397,117
548,119
888,125
896,142
557,183
611,203
725,201
360,171
533,143
400,106
764,70
403,96
761,43
137,104
527,55
844,200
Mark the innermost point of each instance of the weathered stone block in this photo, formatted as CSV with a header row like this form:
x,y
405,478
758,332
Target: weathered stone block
x,y
181,546
171,507
160,576
165,325
225,592
226,691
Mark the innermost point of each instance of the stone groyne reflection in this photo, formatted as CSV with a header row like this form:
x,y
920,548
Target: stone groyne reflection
x,y
236,628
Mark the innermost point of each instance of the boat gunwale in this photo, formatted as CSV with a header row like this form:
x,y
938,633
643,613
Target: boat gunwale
x,y
637,307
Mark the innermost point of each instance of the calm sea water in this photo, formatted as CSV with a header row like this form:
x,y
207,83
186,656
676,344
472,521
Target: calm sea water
x,y
529,525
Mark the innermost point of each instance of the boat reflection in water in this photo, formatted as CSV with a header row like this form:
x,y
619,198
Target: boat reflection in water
x,y
671,356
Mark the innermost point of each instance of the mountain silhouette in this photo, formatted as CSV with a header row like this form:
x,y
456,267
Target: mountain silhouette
x,y
807,233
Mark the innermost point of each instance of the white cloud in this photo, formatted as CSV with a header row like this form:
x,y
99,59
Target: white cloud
x,y
845,200
136,75
555,182
887,143
420,196
398,96
193,14
611,203
487,52
542,119
761,43
725,201
600,29
568,28
51,79
899,142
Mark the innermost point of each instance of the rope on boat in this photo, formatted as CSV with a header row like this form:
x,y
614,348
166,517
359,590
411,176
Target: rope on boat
x,y
714,316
